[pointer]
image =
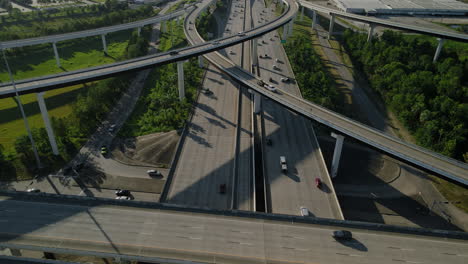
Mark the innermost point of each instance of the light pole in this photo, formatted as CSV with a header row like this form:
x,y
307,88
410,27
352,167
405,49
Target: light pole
x,y
18,100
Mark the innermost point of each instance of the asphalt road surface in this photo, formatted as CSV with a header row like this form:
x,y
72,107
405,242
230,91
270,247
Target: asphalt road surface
x,y
207,159
210,238
292,136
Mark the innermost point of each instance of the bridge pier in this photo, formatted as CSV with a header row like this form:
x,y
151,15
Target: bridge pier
x,y
48,126
200,61
139,31
314,19
370,32
285,32
104,44
336,154
330,28
439,49
255,51
302,13
180,75
57,58
257,103
291,24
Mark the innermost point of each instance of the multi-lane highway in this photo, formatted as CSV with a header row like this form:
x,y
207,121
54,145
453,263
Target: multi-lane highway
x,y
138,233
208,159
292,136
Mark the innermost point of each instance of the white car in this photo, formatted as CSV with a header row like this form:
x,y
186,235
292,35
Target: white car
x,y
285,79
241,34
111,128
304,211
270,87
154,173
277,60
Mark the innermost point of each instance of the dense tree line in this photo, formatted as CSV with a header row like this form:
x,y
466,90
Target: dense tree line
x,y
89,110
5,4
431,99
111,13
315,83
24,2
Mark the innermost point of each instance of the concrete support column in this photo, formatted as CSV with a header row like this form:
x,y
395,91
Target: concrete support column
x,y
200,61
302,13
285,32
104,44
330,28
255,51
139,31
371,32
291,24
180,74
257,103
57,58
439,48
336,154
48,126
163,26
314,19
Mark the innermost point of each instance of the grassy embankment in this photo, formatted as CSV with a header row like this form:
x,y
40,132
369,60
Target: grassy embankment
x,y
39,61
158,108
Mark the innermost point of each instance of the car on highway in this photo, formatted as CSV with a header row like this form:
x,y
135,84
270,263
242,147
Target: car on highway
x,y
266,56
207,91
304,211
275,67
121,192
285,79
111,128
270,88
318,182
342,235
231,52
174,52
277,60
269,142
124,198
103,150
216,42
154,173
241,34
33,190
284,166
222,188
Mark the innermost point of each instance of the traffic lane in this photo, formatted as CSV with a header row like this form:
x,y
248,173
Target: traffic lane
x,y
121,229
207,156
291,138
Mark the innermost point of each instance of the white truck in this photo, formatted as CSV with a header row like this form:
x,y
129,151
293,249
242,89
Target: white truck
x,y
284,167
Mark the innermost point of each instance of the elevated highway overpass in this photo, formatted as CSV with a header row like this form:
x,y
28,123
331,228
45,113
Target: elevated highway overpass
x,y
386,23
449,168
162,233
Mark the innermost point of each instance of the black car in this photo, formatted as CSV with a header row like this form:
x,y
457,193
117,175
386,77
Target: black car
x,y
269,142
120,192
222,188
173,52
342,234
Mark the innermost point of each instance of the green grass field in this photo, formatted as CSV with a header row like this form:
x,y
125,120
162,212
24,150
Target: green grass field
x,y
76,54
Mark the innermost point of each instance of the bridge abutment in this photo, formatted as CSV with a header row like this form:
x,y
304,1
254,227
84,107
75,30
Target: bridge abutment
x,y
48,126
336,154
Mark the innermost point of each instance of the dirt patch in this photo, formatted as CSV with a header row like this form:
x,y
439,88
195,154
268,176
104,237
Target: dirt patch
x,y
149,150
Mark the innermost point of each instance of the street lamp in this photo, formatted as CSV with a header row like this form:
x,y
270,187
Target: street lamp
x,y
18,100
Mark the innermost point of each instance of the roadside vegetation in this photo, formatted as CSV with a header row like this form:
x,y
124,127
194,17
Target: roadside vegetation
x,y
314,80
43,23
159,108
206,23
87,108
429,98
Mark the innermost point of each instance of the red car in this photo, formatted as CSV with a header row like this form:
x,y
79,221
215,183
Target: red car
x,y
318,183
